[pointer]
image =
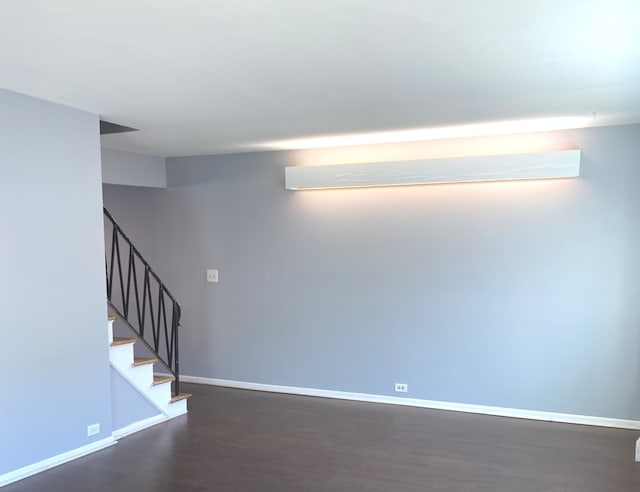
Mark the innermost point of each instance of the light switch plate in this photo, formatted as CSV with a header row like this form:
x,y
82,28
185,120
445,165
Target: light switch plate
x,y
212,276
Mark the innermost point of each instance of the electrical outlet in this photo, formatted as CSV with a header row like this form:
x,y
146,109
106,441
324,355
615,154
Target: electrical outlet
x,y
402,388
212,276
93,429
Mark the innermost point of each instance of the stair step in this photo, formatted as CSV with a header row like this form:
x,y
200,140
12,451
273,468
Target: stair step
x,y
141,361
157,379
181,396
112,318
123,341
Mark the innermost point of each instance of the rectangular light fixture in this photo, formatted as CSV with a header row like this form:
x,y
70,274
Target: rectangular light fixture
x,y
539,165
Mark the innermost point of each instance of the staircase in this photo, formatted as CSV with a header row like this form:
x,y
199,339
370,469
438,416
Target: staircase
x,y
149,315
138,371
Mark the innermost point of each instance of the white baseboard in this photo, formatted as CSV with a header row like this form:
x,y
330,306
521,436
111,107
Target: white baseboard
x,y
138,426
60,459
565,418
54,461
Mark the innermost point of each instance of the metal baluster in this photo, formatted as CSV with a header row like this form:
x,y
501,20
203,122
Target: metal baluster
x,y
175,322
120,270
153,321
114,238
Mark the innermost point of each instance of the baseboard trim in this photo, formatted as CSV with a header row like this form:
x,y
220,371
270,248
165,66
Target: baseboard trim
x,y
54,461
565,418
138,426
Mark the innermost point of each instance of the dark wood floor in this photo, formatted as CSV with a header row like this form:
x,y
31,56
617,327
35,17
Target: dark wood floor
x,y
234,440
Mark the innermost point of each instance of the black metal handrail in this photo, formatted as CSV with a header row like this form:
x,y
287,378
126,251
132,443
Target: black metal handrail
x,y
132,299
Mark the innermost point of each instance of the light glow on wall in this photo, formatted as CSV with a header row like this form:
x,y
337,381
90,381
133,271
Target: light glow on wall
x,y
439,133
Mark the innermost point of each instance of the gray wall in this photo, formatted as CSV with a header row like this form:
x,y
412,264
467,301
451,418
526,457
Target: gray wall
x,y
515,294
54,366
129,168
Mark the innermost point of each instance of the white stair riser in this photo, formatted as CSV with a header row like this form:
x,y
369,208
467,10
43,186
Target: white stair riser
x,y
140,376
121,355
177,408
160,393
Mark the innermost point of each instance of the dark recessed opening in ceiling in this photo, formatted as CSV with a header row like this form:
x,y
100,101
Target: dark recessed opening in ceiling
x,y
106,128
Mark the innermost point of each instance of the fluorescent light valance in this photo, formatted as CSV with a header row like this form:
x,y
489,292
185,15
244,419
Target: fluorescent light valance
x,y
540,165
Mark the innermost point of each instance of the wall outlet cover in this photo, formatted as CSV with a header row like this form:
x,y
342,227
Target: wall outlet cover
x,y
93,429
401,387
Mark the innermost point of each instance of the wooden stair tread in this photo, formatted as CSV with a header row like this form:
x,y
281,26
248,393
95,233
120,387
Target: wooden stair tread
x,y
123,341
141,361
158,379
181,396
112,318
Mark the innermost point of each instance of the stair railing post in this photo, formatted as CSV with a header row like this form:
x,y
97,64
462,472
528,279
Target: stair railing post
x,y
176,323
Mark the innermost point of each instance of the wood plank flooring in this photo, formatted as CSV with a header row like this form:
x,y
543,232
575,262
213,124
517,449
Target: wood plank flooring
x,y
234,440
